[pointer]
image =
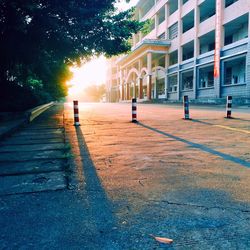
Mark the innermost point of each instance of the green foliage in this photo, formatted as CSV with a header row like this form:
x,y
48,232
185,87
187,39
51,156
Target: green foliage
x,y
147,26
40,39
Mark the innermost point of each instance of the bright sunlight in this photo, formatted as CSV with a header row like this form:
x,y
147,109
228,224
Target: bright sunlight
x,y
91,73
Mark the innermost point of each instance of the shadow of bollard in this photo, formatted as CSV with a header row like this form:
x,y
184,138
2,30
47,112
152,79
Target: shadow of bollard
x,y
201,147
100,206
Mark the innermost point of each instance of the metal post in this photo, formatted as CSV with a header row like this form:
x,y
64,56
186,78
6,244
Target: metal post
x,y
229,106
76,114
186,107
134,110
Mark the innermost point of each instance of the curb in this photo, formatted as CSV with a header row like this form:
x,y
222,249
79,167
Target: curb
x,y
31,114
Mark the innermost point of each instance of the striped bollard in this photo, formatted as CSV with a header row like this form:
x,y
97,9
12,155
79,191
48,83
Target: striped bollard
x,y
76,114
134,112
186,107
229,106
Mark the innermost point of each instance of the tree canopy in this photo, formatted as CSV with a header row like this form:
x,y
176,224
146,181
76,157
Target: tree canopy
x,y
39,39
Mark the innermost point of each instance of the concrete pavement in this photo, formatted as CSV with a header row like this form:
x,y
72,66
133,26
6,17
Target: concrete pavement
x,y
185,180
121,182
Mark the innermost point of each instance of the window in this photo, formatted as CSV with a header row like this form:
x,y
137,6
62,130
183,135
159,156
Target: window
x,y
236,30
173,58
206,77
188,51
207,9
161,15
207,42
187,80
229,2
228,39
173,6
161,36
172,83
161,61
235,71
160,83
146,7
188,22
173,31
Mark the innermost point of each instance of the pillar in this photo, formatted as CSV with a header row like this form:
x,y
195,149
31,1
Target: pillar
x,y
149,86
122,91
166,78
140,84
149,76
128,91
134,89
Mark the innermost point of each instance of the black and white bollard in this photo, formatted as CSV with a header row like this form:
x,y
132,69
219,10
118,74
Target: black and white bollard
x,y
134,110
76,114
229,106
186,107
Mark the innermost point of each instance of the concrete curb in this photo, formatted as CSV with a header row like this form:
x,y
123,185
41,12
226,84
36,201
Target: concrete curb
x,y
33,113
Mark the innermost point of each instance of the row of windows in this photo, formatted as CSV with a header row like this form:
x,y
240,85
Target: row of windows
x,y
233,32
206,10
234,72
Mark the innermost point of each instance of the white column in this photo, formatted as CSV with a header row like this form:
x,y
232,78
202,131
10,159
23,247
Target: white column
x,y
149,77
166,78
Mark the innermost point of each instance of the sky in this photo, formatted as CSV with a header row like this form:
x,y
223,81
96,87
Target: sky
x,y
124,6
93,72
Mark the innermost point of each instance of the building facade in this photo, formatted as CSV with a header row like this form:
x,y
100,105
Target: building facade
x,y
199,48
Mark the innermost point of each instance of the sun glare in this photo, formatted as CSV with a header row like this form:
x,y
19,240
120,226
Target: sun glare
x,y
91,73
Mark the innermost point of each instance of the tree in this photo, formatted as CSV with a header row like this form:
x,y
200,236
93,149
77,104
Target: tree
x,y
39,39
94,93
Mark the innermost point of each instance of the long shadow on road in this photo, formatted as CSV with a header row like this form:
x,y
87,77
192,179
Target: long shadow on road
x,y
201,147
102,217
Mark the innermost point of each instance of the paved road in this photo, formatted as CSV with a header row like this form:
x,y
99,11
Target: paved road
x,y
184,180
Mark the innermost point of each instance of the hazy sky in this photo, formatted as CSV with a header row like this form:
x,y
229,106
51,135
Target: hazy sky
x,y
123,5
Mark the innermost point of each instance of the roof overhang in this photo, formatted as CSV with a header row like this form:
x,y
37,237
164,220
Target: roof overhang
x,y
147,45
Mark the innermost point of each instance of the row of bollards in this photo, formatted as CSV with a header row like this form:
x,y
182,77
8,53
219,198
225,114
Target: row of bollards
x,y
228,107
186,108
134,109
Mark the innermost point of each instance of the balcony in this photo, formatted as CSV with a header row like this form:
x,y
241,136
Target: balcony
x,y
207,10
188,22
236,30
207,42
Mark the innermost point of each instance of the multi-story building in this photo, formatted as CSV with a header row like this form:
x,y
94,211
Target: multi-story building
x,y
199,48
